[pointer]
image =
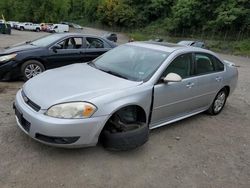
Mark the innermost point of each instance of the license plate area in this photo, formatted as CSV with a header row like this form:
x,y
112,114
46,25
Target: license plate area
x,y
23,122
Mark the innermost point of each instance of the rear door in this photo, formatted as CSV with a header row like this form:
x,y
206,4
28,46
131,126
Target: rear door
x,y
94,47
71,51
209,73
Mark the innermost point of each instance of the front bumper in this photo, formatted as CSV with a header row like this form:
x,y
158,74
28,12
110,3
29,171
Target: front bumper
x,y
35,124
9,70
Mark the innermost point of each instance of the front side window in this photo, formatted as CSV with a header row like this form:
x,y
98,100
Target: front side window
x,y
182,65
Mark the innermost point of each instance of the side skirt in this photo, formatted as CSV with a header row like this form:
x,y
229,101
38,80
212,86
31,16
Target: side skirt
x,y
176,119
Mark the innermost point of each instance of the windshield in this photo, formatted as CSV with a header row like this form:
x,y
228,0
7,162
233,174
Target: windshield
x,y
131,62
45,41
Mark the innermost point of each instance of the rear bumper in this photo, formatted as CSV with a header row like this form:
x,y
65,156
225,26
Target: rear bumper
x,y
84,132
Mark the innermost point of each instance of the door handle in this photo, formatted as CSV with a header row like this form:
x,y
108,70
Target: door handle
x,y
190,85
218,79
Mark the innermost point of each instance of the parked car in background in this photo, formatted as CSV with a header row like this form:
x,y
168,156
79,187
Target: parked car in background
x,y
46,26
56,50
12,23
59,28
198,44
5,28
15,25
73,25
29,26
111,37
119,97
76,26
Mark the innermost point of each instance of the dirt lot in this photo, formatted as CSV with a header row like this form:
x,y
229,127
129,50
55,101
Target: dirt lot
x,y
210,151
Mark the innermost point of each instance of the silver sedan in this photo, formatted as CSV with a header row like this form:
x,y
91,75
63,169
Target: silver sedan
x,y
117,98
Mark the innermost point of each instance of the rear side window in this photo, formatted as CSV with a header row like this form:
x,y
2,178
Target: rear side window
x,y
182,65
206,63
218,65
203,64
94,43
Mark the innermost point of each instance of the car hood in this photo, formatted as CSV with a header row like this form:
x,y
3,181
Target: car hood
x,y
18,48
77,82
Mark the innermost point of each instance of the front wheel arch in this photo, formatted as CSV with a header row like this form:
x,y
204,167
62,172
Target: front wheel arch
x,y
30,61
128,131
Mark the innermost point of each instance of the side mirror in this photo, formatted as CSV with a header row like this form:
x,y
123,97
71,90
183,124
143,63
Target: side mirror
x,y
172,77
56,47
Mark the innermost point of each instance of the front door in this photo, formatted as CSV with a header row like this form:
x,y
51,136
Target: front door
x,y
175,99
71,51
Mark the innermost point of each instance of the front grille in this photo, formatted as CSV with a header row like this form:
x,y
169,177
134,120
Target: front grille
x,y
29,102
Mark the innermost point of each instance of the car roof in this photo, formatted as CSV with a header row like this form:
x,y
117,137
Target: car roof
x,y
167,47
162,46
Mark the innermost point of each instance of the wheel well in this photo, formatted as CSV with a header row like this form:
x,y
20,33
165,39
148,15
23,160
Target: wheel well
x,y
227,88
130,114
34,59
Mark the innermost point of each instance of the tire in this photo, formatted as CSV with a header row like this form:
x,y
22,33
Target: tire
x,y
122,141
37,30
218,103
31,68
21,28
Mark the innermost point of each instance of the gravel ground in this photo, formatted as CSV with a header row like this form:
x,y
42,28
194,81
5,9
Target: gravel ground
x,y
201,151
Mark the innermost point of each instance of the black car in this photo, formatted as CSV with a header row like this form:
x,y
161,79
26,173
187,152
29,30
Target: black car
x,y
55,50
5,28
111,37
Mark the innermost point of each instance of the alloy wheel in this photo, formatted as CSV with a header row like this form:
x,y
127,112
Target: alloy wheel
x,y
219,101
32,70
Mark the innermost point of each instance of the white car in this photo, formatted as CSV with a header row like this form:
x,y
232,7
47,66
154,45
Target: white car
x,y
59,28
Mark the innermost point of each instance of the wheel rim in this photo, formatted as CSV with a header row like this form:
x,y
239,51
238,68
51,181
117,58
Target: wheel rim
x,y
219,101
32,70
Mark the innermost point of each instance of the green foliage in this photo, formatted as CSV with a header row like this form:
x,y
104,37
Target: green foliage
x,y
217,19
165,16
115,12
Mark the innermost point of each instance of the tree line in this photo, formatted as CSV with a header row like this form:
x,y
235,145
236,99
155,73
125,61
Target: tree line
x,y
168,15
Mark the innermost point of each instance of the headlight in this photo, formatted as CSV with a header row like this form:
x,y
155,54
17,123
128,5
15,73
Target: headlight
x,y
74,110
7,57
